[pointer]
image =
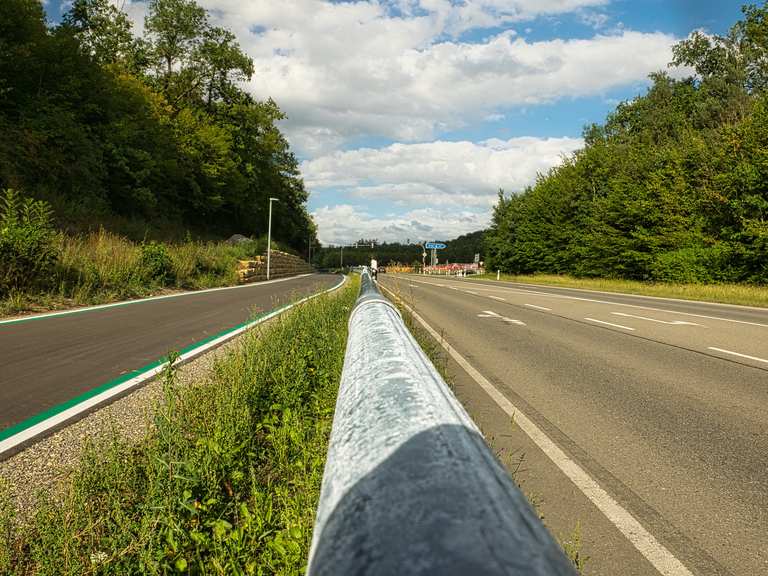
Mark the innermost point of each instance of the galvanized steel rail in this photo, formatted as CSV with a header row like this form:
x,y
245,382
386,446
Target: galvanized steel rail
x,y
410,486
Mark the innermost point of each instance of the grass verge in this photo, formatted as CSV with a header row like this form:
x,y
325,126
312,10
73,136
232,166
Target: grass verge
x,y
227,480
744,294
102,267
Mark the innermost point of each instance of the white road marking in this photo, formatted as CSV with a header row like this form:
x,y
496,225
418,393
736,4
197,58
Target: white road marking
x,y
488,314
596,301
413,285
655,552
470,292
61,417
511,321
538,307
672,323
610,324
755,358
30,317
499,298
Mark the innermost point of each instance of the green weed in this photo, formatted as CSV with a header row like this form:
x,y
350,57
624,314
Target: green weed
x,y
572,548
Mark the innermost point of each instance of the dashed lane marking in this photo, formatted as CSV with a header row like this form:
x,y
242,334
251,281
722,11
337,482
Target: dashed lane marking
x,y
610,324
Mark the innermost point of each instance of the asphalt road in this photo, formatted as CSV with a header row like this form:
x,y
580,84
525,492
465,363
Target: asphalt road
x,y
50,360
663,403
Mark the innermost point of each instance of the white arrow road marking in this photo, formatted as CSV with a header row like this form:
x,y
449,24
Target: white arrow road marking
x,y
737,354
610,324
537,307
488,314
673,323
492,314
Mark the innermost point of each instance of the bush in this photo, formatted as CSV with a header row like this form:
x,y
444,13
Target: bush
x,y
694,265
157,263
28,246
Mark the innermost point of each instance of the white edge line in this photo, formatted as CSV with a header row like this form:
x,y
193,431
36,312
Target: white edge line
x,y
755,358
65,415
151,298
655,552
610,324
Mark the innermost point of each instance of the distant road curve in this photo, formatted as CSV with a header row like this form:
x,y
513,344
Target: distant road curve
x,y
52,361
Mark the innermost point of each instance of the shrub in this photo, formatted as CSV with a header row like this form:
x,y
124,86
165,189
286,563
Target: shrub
x,y
28,242
694,265
157,263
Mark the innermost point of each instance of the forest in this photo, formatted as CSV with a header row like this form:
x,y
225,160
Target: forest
x,y
672,187
461,249
147,136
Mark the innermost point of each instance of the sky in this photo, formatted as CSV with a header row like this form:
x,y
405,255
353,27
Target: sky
x,y
408,116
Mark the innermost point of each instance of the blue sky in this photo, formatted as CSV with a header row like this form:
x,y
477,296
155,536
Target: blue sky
x,y
409,115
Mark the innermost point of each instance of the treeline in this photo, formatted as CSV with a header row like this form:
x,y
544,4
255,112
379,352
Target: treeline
x,y
461,249
138,133
672,187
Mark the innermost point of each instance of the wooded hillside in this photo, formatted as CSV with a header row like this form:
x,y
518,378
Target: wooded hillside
x,y
142,134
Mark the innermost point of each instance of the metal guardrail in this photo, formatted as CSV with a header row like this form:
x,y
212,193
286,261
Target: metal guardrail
x,y
410,486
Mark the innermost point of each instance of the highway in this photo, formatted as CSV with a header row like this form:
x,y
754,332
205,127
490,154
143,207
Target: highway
x,y
47,361
652,411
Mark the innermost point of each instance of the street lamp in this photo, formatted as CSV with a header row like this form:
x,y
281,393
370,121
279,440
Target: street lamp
x,y
269,233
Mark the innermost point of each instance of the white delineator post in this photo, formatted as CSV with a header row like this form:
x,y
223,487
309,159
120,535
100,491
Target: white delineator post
x,y
269,233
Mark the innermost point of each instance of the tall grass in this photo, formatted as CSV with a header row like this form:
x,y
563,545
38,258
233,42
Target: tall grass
x,y
101,267
226,482
744,294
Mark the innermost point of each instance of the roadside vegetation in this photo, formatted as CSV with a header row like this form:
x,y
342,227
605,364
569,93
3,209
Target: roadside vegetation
x,y
671,188
226,481
743,294
42,268
461,249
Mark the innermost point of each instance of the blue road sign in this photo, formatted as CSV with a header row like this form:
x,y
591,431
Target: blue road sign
x,y
434,245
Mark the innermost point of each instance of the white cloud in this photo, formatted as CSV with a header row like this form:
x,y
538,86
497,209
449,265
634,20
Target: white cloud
x,y
411,173
446,188
397,69
346,223
404,71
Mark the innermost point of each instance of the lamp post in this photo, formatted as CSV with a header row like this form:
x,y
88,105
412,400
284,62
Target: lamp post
x,y
269,233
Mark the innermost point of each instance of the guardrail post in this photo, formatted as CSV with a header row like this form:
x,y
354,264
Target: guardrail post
x,y
410,486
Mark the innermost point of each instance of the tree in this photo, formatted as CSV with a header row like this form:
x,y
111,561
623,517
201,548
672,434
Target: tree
x,y
104,31
175,29
223,65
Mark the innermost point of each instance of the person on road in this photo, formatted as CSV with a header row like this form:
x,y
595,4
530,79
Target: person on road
x,y
374,268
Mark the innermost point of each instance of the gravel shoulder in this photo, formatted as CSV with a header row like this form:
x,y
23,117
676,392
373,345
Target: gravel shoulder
x,y
49,462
